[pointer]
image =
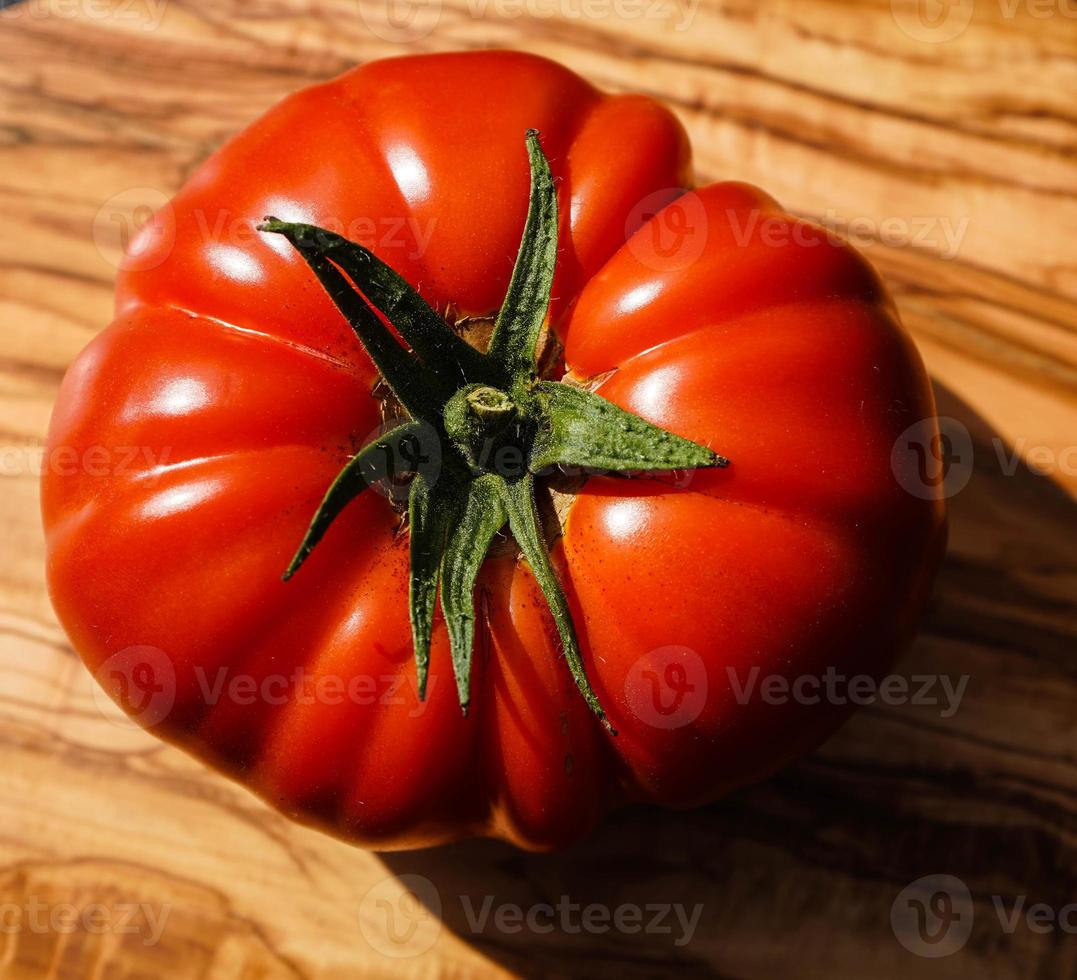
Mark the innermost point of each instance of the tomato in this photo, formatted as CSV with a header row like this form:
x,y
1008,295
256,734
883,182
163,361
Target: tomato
x,y
229,393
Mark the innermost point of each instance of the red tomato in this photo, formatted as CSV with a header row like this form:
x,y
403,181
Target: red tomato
x,y
229,392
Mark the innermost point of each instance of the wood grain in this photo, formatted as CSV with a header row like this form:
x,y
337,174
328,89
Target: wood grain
x,y
954,164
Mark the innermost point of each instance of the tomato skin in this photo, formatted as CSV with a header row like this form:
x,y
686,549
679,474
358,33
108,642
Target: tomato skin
x,y
245,392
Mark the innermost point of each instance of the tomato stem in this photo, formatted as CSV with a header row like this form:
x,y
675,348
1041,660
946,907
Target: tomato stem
x,y
490,426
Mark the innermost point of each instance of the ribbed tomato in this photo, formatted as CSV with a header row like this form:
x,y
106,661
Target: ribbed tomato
x,y
230,391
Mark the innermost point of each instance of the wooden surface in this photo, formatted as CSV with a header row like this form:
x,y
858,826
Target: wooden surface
x,y
954,159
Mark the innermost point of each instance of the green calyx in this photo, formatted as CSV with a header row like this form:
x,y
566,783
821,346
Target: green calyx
x,y
476,418
498,426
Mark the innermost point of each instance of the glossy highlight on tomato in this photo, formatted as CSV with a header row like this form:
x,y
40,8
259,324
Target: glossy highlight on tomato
x,y
710,313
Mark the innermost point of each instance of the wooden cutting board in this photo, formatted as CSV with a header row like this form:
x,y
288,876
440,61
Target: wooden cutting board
x,y
943,138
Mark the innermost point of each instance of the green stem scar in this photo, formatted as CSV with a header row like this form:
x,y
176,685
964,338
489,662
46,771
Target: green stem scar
x,y
499,426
